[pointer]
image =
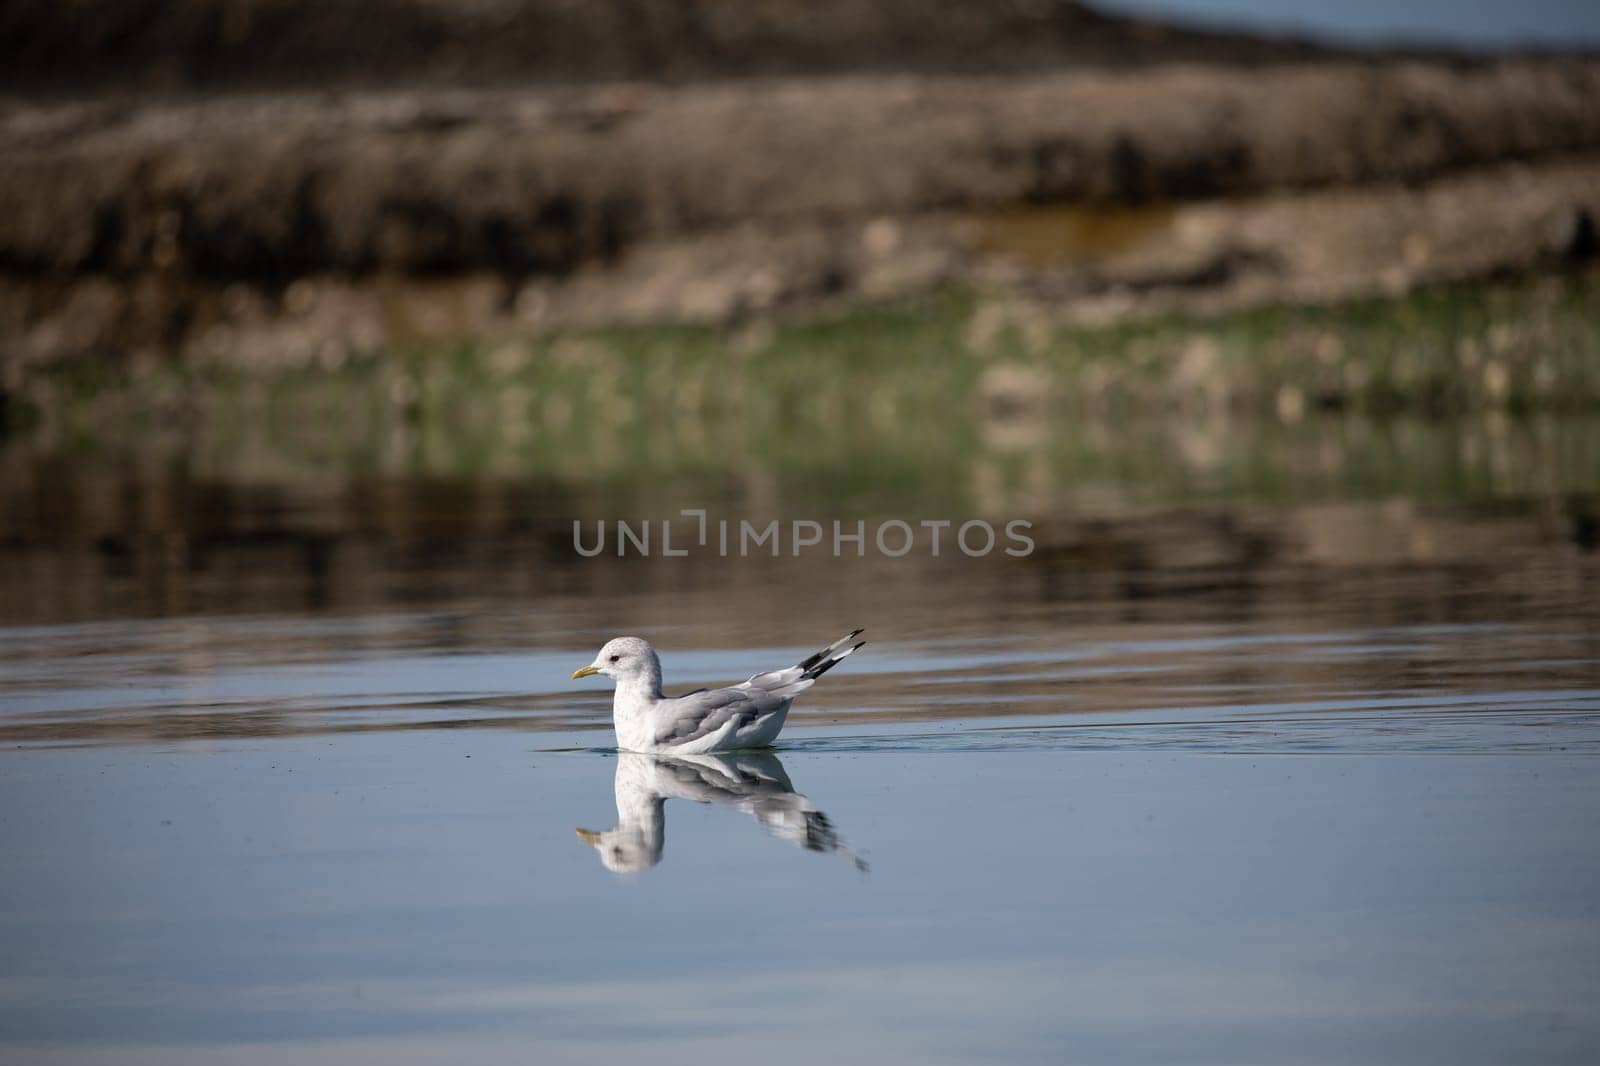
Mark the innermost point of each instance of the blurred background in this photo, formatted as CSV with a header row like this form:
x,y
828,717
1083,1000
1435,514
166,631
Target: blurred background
x,y
323,321
312,307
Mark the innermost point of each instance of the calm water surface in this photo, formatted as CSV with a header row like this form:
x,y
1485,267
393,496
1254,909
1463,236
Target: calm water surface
x,y
1237,781
1149,844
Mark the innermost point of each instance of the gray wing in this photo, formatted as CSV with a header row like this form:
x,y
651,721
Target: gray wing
x,y
700,714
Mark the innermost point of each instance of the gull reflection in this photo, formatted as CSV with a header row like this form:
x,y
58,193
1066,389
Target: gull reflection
x,y
753,782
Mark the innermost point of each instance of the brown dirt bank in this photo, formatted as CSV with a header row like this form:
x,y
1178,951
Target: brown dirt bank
x,y
286,225
182,45
1079,264
520,183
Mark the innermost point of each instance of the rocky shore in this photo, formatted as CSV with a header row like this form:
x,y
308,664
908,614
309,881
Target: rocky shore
x,y
266,214
193,46
286,225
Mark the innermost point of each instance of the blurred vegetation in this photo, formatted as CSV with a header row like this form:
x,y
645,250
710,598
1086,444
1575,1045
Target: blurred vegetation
x,y
1476,390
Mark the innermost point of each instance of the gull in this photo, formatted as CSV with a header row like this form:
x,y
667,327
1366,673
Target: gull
x,y
752,782
748,715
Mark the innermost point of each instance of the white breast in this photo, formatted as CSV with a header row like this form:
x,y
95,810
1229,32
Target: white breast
x,y
634,723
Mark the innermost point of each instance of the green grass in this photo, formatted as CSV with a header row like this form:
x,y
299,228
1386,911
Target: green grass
x,y
950,401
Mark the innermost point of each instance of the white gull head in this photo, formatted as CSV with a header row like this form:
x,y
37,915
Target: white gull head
x,y
629,661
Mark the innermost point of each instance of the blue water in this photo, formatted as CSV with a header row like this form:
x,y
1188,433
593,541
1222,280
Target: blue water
x,y
402,900
260,840
1475,23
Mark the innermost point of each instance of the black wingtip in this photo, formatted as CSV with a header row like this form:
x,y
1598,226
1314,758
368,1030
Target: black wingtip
x,y
817,671
811,660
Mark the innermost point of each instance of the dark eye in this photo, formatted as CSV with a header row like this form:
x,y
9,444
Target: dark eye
x,y
614,658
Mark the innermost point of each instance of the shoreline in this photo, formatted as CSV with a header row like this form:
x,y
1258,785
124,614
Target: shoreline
x,y
296,227
1518,345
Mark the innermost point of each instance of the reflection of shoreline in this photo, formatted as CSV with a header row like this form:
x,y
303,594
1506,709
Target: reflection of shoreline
x,y
105,544
752,782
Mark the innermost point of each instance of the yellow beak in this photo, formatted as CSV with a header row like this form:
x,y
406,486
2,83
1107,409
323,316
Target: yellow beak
x,y
583,671
588,836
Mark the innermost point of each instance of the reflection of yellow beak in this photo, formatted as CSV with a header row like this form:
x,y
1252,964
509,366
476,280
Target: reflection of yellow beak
x,y
588,836
583,671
